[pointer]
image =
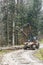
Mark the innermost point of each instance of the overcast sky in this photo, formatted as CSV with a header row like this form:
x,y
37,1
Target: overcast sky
x,y
42,4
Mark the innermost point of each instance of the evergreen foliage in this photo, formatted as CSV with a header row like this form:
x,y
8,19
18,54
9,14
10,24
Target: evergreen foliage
x,y
19,14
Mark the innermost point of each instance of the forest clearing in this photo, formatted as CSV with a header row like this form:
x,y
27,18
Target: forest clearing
x,y
21,32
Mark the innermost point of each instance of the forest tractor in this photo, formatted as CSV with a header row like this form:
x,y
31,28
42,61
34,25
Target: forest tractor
x,y
32,41
34,44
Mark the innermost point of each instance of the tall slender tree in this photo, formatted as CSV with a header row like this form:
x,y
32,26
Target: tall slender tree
x,y
8,10
33,16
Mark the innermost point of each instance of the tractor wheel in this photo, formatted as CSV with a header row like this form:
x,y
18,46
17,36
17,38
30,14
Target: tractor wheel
x,y
33,47
37,46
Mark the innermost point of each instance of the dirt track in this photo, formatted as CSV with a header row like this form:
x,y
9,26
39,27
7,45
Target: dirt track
x,y
20,57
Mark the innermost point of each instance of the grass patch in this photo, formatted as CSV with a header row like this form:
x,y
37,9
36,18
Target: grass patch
x,y
39,54
4,51
41,41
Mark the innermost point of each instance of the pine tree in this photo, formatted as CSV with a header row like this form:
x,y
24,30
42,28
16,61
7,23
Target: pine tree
x,y
33,14
8,10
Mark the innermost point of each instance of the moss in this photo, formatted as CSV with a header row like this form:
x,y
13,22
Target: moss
x,y
39,54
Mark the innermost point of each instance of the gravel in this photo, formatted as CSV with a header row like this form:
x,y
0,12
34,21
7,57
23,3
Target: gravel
x,y
20,57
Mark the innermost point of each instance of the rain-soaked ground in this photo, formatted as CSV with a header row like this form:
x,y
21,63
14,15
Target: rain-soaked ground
x,y
20,57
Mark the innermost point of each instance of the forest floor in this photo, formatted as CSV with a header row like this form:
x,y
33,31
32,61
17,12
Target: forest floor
x,y
20,57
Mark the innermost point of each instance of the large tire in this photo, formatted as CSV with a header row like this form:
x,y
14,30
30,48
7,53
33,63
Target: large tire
x,y
37,46
33,47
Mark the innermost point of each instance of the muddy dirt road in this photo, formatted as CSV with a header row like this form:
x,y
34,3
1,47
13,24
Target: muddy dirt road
x,y
20,57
